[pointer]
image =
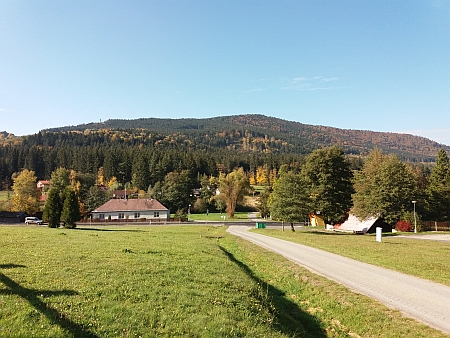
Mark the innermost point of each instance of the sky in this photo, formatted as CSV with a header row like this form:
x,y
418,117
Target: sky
x,y
381,65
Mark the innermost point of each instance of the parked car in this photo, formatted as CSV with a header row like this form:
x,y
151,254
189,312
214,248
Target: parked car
x,y
33,220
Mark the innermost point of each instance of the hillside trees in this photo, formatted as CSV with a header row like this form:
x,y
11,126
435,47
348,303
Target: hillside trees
x,y
26,195
384,188
328,178
95,197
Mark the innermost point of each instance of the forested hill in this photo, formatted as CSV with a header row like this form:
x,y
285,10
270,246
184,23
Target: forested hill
x,y
267,134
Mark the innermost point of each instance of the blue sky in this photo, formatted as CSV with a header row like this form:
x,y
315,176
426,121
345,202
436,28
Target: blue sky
x,y
381,65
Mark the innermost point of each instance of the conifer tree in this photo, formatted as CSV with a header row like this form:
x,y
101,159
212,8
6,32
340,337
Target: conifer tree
x,y
71,209
438,191
52,209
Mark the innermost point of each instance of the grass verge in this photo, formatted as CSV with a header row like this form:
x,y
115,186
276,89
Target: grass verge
x,y
217,217
173,282
422,258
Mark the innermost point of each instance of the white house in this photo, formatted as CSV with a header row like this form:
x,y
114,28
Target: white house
x,y
132,209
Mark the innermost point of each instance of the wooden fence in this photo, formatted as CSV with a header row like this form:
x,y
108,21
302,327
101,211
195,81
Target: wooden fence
x,y
435,226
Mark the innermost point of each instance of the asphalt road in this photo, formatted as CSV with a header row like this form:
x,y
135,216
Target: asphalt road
x,y
417,298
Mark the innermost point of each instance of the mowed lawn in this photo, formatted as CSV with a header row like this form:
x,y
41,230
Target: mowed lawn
x,y
173,281
4,195
427,259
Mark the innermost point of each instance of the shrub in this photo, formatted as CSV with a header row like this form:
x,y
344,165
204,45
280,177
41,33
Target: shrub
x,y
199,206
404,226
409,217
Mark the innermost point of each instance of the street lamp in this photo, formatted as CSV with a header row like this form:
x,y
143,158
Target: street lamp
x,y
415,221
189,211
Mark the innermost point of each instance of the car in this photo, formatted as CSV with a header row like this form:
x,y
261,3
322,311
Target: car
x,y
33,220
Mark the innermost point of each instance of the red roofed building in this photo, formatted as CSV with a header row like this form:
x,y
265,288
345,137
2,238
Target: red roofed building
x,y
43,185
121,209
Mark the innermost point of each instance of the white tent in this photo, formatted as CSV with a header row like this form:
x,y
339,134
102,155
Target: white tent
x,y
353,224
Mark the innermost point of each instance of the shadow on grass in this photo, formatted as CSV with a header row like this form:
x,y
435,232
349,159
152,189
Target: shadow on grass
x,y
121,230
30,295
290,319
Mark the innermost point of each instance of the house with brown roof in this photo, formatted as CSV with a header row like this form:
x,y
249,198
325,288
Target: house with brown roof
x,y
131,209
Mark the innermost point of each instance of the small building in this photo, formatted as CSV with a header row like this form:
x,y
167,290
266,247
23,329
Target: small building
x,y
355,225
125,194
43,185
316,220
12,217
131,209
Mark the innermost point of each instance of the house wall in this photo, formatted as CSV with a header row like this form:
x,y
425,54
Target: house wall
x,y
147,214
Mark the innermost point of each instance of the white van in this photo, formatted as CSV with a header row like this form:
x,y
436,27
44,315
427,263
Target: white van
x,y
33,220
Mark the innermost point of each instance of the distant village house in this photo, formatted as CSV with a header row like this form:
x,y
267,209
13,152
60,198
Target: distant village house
x,y
129,209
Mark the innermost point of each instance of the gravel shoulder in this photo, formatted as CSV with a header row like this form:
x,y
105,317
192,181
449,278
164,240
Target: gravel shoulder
x,y
430,237
423,300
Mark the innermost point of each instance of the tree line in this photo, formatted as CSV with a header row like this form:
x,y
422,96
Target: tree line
x,y
324,182
384,187
145,159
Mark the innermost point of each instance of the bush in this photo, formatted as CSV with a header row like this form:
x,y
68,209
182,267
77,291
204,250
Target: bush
x,y
199,206
404,226
409,217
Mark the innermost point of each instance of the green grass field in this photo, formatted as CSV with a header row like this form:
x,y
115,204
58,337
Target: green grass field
x,y
173,281
4,195
217,217
421,258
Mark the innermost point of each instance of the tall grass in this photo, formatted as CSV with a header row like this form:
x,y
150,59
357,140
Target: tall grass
x,y
172,282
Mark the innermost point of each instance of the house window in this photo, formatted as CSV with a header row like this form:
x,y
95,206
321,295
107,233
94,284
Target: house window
x,y
156,214
137,215
101,216
121,216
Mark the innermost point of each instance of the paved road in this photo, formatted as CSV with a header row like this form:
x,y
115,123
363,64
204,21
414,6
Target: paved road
x,y
423,300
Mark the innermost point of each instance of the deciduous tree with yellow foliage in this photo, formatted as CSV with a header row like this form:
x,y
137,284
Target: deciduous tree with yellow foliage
x,y
233,188
26,195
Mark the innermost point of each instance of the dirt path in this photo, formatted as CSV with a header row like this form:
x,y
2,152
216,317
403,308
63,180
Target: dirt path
x,y
420,299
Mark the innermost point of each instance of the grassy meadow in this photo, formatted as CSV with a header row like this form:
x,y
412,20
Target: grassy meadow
x,y
4,195
422,258
217,217
174,281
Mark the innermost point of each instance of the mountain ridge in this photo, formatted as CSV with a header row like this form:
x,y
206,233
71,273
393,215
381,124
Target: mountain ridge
x,y
356,142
